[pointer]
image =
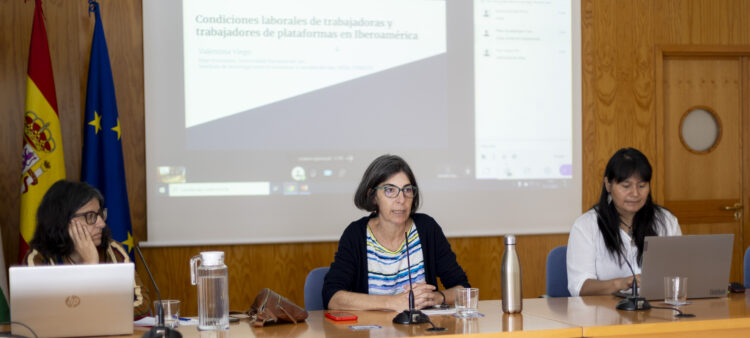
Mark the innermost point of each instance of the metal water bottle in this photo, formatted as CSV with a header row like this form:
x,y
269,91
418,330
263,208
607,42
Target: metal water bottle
x,y
213,290
511,277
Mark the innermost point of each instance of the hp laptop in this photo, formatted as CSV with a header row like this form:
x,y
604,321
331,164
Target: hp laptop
x,y
72,300
704,259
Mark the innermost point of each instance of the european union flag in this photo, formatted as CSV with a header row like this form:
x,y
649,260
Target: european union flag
x,y
102,165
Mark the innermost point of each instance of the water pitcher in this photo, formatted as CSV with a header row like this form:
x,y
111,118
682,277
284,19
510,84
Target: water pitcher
x,y
208,271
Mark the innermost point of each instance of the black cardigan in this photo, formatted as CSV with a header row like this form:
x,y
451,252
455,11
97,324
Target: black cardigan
x,y
349,269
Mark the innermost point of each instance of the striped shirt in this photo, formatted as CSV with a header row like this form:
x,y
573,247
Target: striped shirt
x,y
387,271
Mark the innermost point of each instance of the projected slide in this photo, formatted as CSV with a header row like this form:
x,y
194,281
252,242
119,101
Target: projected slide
x,y
522,67
240,55
262,115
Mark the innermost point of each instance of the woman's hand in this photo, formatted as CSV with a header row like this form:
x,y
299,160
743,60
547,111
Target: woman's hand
x,y
594,287
424,296
625,283
84,245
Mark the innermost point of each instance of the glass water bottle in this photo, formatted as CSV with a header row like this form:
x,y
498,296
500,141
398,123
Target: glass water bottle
x,y
213,290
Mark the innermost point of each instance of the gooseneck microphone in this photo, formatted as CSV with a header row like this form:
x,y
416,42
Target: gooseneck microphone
x,y
632,302
158,330
412,315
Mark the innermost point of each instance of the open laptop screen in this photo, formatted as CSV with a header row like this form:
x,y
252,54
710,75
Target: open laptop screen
x,y
72,300
704,259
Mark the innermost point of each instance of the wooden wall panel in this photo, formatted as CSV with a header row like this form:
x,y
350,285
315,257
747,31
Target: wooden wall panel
x,y
283,267
618,43
69,30
15,29
627,37
64,30
589,111
746,153
124,32
619,89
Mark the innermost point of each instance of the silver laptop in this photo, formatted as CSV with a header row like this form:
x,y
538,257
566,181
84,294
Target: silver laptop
x,y
704,259
72,300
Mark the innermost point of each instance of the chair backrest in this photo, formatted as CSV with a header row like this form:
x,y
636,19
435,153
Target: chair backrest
x,y
557,272
746,267
314,289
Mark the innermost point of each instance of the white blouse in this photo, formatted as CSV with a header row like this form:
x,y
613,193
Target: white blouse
x,y
587,255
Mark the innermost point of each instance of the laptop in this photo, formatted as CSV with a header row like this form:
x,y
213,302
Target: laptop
x,y
72,300
704,259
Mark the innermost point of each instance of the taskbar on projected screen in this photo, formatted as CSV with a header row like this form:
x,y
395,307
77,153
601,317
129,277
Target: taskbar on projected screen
x,y
264,188
255,188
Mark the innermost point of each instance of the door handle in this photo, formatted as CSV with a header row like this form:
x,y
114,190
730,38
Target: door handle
x,y
737,208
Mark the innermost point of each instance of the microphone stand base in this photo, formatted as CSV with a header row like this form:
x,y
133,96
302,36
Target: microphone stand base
x,y
633,304
411,317
162,331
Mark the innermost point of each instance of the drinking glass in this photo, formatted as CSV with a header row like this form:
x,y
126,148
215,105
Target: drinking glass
x,y
675,290
171,312
467,302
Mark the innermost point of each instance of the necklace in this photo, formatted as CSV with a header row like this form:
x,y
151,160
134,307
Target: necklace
x,y
630,228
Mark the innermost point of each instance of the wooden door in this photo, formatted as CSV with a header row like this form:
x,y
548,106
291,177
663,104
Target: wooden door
x,y
704,187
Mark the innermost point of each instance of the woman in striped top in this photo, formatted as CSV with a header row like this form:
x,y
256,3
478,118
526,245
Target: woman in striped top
x,y
370,270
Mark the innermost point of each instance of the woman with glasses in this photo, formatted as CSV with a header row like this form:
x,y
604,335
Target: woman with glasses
x,y
71,229
370,270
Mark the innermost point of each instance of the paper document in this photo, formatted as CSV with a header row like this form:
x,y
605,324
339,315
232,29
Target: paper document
x,y
433,311
151,321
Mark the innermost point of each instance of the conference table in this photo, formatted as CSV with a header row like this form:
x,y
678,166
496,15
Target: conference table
x,y
541,317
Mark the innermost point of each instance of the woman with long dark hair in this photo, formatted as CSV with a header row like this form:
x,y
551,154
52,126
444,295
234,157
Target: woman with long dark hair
x,y
614,230
71,229
369,271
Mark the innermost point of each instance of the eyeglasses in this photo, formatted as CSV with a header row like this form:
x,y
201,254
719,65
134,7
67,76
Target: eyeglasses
x,y
91,216
392,191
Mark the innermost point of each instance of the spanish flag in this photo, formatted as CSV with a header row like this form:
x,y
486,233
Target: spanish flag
x,y
43,162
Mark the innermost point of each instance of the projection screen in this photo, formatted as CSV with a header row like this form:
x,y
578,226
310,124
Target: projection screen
x,y
261,116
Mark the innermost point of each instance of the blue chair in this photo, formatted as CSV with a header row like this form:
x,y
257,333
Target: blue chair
x,y
746,267
557,273
314,289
